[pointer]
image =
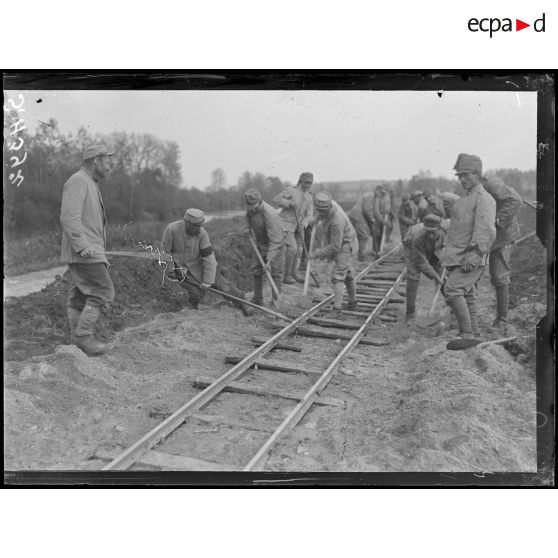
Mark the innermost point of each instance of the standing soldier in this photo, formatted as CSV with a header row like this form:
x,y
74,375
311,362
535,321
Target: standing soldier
x,y
380,214
194,263
264,222
434,204
407,214
296,213
422,249
340,246
470,236
361,216
508,204
83,220
420,204
392,215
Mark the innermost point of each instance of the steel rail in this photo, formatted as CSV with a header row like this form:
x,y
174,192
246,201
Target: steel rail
x,y
307,401
161,431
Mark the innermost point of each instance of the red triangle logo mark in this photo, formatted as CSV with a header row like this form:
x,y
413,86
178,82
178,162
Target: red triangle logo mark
x,y
519,25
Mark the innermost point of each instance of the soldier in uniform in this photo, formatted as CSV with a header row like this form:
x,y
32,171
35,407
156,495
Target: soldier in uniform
x,y
434,204
82,217
471,234
420,203
265,224
194,263
380,211
361,216
508,205
422,249
407,215
340,246
296,213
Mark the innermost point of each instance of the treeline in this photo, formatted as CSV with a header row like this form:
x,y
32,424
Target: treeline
x,y
144,183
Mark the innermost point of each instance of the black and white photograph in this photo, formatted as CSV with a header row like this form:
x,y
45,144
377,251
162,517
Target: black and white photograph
x,y
338,276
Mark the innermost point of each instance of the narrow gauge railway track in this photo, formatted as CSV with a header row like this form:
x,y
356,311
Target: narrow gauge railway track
x,y
376,286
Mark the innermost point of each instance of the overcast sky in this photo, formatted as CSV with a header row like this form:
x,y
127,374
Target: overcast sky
x,y
337,135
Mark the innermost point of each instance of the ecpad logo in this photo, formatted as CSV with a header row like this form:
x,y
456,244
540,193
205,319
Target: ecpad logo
x,y
494,24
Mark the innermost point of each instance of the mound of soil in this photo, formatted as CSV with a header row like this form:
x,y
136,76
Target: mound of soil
x,y
35,324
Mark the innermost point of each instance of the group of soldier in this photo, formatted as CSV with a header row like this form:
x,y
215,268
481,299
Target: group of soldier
x,y
460,234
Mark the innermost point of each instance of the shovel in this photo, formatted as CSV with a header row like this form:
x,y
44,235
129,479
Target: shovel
x,y
308,263
277,296
459,344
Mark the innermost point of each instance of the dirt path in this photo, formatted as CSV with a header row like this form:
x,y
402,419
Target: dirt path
x,y
410,406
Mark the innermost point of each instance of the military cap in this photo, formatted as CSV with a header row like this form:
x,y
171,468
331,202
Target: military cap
x,y
467,163
432,222
194,216
405,197
322,200
252,197
306,176
416,194
96,151
428,192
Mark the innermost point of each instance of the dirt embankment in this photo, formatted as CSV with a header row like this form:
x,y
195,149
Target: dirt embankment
x,y
410,406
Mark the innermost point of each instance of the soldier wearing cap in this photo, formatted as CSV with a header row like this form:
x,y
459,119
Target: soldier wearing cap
x,y
340,246
380,212
434,204
194,263
82,217
361,216
422,249
265,224
471,234
296,213
508,205
406,215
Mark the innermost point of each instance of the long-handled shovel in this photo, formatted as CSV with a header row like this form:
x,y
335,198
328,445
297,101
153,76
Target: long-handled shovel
x,y
436,295
383,240
308,263
304,249
228,296
274,288
459,344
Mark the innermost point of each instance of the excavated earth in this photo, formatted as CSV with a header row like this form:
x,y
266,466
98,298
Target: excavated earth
x,y
409,406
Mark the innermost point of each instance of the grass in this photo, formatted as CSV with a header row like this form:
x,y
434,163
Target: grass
x,y
42,250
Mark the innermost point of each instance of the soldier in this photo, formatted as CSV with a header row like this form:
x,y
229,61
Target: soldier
x,y
361,216
508,204
422,249
420,204
407,215
296,213
380,211
194,262
82,217
264,222
434,204
470,236
340,246
448,201
392,215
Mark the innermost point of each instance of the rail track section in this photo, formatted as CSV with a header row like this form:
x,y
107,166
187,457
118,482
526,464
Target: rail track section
x,y
377,284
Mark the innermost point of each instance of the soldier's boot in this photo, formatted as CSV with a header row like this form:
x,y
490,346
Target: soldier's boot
x,y
73,318
502,305
85,332
338,291
258,291
351,292
461,312
411,297
473,315
287,276
361,249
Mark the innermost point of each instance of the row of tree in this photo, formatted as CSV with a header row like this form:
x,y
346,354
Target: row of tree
x,y
145,179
